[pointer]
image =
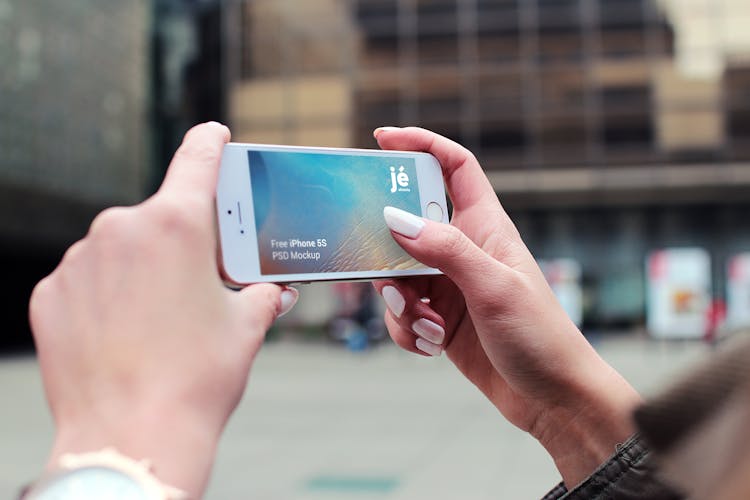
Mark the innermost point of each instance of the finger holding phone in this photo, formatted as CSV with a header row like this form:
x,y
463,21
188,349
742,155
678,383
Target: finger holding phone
x,y
498,320
140,345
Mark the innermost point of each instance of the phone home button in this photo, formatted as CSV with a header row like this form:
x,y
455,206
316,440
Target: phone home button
x,y
434,212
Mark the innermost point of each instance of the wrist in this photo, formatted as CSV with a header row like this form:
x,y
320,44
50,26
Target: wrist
x,y
582,435
181,452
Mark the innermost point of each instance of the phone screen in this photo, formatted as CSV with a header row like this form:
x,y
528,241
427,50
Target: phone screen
x,y
319,212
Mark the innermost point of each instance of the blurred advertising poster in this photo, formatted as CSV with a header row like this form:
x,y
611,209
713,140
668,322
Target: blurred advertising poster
x,y
679,293
738,291
564,277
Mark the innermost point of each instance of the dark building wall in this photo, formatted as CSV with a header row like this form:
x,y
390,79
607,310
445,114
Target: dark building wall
x,y
186,73
74,131
75,101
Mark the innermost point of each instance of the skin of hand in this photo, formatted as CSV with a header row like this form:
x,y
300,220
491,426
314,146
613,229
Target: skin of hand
x,y
140,345
498,320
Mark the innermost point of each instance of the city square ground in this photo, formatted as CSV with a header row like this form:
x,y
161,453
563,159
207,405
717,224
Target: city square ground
x,y
321,422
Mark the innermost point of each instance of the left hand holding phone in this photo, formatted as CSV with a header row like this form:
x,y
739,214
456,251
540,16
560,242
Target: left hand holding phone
x,y
498,320
140,345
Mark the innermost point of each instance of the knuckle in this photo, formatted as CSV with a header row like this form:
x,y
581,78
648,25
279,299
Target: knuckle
x,y
454,242
110,222
467,154
194,149
39,296
486,304
73,253
115,233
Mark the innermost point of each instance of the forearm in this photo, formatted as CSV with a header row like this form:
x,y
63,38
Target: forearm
x,y
583,435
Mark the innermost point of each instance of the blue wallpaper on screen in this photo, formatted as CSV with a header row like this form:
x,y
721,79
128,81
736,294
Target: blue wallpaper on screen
x,y
301,199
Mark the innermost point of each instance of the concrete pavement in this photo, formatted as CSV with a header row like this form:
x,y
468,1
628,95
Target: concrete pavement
x,y
318,422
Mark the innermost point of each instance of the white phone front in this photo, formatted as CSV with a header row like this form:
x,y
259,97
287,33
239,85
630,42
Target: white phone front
x,y
291,214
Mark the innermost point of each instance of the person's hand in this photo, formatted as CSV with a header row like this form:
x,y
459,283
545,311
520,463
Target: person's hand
x,y
140,345
498,320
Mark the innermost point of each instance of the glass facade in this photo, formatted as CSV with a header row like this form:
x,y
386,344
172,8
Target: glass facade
x,y
596,120
74,104
608,127
524,84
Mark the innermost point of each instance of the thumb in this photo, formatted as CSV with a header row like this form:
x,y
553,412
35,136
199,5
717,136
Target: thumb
x,y
447,248
265,302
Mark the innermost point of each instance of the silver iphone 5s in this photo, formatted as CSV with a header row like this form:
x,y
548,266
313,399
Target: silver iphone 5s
x,y
291,214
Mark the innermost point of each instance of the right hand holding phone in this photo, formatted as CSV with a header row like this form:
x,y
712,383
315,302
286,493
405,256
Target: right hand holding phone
x,y
498,320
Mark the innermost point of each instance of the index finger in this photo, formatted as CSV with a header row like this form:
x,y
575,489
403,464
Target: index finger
x,y
195,166
466,182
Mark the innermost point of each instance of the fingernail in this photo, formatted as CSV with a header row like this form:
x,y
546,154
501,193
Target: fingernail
x,y
378,130
288,299
429,330
403,222
394,300
429,347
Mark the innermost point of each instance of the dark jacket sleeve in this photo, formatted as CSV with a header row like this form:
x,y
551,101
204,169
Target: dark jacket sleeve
x,y
628,475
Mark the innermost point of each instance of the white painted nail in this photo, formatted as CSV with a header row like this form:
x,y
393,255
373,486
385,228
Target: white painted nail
x,y
429,347
429,330
394,300
403,222
378,130
288,299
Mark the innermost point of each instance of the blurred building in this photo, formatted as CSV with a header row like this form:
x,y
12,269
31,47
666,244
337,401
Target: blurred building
x,y
74,131
607,127
94,99
289,72
73,113
186,72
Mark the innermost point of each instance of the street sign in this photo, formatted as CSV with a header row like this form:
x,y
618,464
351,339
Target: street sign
x,y
738,291
679,293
